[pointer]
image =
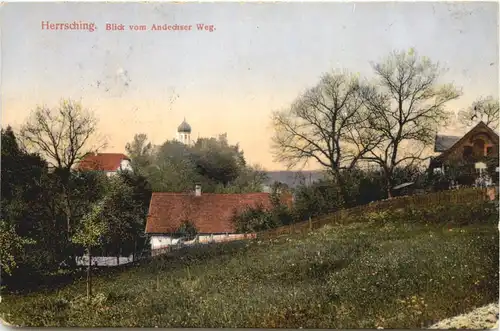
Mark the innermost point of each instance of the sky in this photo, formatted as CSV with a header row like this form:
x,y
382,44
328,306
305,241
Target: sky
x,y
258,58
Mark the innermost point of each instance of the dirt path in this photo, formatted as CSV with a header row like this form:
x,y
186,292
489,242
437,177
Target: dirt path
x,y
481,318
2,321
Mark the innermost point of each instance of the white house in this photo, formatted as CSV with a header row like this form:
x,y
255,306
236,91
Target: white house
x,y
110,163
210,213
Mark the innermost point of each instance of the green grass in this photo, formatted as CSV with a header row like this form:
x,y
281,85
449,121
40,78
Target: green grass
x,y
363,275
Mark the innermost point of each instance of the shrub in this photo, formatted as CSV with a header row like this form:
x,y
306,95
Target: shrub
x,y
321,198
187,229
254,219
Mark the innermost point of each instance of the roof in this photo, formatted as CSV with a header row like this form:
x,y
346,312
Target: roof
x,y
184,127
480,126
209,212
102,161
443,142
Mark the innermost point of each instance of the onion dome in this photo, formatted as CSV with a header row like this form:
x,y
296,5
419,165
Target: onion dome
x,y
184,127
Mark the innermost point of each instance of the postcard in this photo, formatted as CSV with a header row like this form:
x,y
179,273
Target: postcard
x,y
299,165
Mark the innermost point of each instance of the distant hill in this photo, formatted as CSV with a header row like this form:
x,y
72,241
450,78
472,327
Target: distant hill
x,y
294,178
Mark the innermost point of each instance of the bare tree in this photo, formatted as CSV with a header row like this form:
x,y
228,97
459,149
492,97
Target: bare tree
x,y
483,109
406,109
327,123
63,135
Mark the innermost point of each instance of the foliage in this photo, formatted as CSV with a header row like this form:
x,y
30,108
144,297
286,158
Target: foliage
x,y
250,179
28,213
12,248
140,152
46,208
92,228
259,218
124,218
254,219
187,229
211,162
320,198
391,274
216,160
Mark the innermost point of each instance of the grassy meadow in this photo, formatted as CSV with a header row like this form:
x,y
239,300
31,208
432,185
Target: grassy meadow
x,y
398,269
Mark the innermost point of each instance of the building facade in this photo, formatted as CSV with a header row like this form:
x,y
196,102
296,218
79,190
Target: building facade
x,y
211,214
184,133
476,151
109,163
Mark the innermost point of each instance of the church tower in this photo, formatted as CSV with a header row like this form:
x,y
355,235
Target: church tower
x,y
184,133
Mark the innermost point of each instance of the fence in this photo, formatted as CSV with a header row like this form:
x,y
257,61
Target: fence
x,y
104,261
444,197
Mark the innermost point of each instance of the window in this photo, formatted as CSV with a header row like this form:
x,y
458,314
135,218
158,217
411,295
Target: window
x,y
489,151
478,147
467,152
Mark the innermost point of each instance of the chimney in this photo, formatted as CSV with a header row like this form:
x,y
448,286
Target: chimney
x,y
197,190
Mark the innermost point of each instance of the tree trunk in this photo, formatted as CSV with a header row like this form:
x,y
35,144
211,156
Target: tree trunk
x,y
89,276
389,188
135,250
68,213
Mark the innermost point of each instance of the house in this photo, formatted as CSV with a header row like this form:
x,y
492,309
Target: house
x,y
210,213
110,163
477,149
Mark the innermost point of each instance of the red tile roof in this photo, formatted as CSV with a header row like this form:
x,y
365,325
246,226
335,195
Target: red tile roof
x,y
102,162
210,213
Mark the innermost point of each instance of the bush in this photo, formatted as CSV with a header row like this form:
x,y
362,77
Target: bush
x,y
321,198
254,219
187,229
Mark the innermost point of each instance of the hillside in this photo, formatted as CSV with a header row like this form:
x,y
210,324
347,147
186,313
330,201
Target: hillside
x,y
378,273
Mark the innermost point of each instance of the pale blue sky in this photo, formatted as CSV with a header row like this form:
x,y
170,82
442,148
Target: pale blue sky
x,y
260,57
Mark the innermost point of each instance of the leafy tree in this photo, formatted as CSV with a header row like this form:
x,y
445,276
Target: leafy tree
x,y
250,179
212,162
124,216
216,160
483,109
90,233
25,209
63,136
406,108
12,248
140,152
173,169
